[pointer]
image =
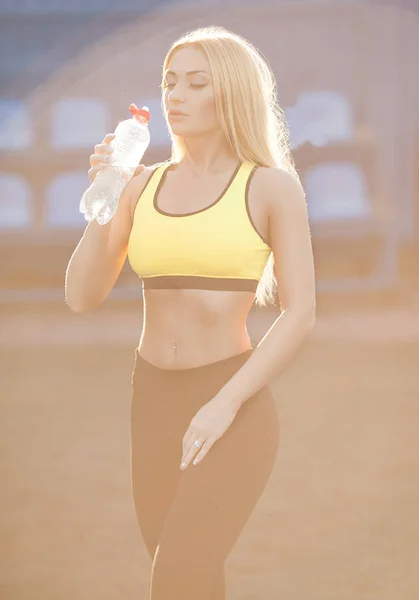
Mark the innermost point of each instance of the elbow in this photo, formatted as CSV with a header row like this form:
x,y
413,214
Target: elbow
x,y
80,304
78,308
311,317
311,321
304,316
307,319
308,311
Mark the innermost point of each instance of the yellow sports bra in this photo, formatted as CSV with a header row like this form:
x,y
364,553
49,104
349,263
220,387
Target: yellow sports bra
x,y
215,248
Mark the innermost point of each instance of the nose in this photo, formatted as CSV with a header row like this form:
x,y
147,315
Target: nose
x,y
176,94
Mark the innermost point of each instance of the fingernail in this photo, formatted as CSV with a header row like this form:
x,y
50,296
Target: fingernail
x,y
195,462
183,466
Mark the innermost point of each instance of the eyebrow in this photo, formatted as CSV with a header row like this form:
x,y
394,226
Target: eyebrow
x,y
187,73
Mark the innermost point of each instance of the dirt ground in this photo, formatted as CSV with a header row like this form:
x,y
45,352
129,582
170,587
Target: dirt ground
x,y
339,519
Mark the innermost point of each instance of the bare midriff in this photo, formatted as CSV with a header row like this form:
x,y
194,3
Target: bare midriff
x,y
189,328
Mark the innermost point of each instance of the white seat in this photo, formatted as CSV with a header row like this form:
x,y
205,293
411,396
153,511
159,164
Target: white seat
x,y
79,123
15,126
342,204
320,117
15,202
337,191
62,200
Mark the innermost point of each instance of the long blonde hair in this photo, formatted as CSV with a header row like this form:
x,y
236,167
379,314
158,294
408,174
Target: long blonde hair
x,y
248,112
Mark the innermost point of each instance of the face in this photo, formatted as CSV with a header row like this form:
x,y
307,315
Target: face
x,y
188,89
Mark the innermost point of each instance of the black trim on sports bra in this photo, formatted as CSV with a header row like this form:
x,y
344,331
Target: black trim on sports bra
x,y
198,282
167,214
252,172
143,190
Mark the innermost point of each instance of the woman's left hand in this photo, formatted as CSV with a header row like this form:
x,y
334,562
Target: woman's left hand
x,y
208,425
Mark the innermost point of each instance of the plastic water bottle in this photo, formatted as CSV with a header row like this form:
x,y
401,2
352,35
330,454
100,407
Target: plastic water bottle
x,y
132,137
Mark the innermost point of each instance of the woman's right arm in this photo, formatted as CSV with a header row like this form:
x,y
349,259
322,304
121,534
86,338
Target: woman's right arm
x,y
99,257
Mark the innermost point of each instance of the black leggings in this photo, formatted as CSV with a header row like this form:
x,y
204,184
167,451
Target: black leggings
x,y
190,520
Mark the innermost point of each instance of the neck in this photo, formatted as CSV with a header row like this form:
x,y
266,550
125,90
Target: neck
x,y
208,154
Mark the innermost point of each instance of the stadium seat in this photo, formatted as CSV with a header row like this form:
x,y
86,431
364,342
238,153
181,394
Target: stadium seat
x,y
62,200
320,117
15,202
15,126
79,122
337,191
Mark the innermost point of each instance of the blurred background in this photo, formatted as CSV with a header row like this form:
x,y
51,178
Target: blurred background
x,y
339,518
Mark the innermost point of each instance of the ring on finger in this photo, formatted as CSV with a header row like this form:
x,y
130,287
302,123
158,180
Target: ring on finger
x,y
198,444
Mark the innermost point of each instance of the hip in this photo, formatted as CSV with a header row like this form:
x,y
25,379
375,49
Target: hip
x,y
165,400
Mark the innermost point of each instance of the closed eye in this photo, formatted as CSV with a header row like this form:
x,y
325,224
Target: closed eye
x,y
192,85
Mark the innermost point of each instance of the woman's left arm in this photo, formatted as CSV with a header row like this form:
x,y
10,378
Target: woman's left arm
x,y
290,241
291,244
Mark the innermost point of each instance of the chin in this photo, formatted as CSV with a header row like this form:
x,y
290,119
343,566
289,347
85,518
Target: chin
x,y
179,129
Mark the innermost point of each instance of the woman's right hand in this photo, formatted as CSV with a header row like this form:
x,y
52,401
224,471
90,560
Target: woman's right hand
x,y
102,157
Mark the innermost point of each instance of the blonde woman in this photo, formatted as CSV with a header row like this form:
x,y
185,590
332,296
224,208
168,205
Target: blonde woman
x,y
220,225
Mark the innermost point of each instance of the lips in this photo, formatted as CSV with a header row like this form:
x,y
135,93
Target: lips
x,y
176,113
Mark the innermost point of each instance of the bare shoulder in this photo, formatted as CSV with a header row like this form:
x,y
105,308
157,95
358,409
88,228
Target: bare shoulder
x,y
136,186
138,182
280,189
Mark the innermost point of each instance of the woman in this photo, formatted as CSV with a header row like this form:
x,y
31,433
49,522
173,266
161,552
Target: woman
x,y
209,231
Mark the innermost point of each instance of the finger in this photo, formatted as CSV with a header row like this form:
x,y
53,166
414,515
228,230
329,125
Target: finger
x,y
187,459
97,159
93,170
139,170
108,138
186,449
209,442
190,452
190,436
103,149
